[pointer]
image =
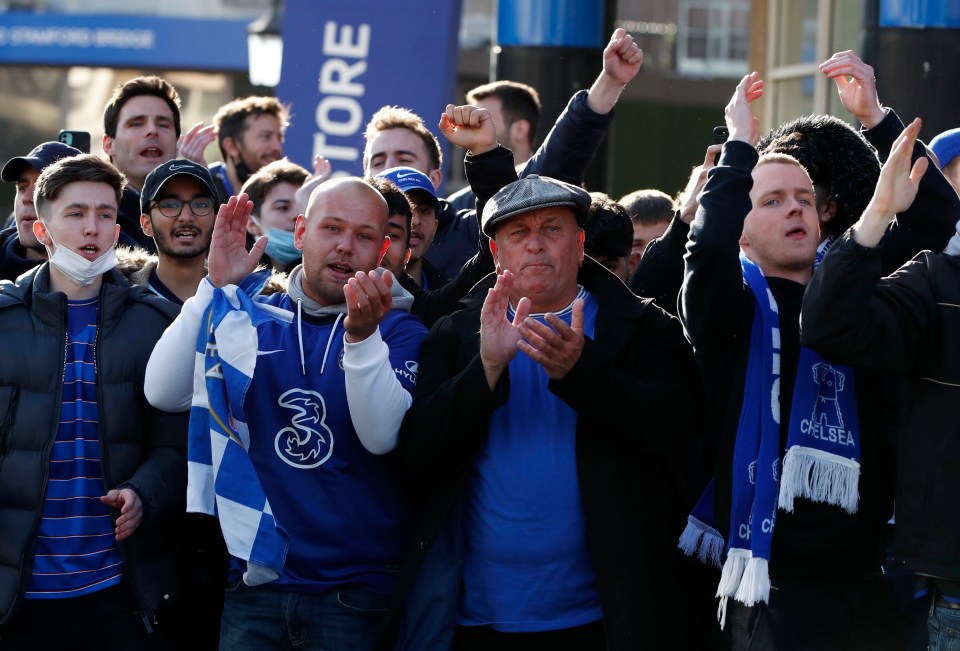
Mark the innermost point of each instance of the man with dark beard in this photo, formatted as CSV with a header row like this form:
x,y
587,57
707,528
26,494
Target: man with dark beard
x,y
178,207
250,135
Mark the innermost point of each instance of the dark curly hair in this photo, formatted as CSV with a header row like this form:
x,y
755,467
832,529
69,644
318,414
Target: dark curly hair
x,y
837,158
608,231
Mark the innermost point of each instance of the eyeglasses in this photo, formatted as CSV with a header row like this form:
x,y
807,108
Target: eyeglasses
x,y
172,207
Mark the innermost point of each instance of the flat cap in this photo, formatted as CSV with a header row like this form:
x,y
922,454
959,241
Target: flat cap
x,y
532,193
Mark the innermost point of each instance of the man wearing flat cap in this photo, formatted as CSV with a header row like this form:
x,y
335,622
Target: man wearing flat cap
x,y
545,424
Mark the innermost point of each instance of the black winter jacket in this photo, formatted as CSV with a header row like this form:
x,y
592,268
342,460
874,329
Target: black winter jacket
x,y
905,324
13,256
636,393
141,447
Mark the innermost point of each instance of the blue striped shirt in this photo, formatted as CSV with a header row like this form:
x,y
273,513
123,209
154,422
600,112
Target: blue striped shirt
x,y
76,553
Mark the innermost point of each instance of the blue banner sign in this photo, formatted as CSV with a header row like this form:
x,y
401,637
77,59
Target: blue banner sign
x,y
342,61
920,13
551,23
128,41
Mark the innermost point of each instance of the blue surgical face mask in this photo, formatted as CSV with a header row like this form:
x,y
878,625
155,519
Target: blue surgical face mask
x,y
280,247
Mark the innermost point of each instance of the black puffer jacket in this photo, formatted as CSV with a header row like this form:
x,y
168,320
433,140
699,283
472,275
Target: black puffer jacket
x,y
13,256
141,448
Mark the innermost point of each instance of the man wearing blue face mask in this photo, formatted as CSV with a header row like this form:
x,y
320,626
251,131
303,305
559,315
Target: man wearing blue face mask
x,y
178,205
92,475
272,190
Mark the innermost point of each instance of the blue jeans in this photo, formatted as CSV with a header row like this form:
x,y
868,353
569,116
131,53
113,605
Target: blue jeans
x,y
944,627
255,619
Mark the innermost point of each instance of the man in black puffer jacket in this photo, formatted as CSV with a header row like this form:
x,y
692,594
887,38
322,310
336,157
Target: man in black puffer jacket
x,y
90,473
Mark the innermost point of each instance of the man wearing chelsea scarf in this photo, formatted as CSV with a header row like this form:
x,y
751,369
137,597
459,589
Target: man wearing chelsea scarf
x,y
802,568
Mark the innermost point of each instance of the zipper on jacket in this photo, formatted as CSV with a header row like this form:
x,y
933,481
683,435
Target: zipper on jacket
x,y
104,462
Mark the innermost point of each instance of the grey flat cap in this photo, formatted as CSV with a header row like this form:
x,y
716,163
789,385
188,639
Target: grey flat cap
x,y
532,193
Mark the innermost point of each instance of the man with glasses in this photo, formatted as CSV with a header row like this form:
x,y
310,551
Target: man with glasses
x,y
178,205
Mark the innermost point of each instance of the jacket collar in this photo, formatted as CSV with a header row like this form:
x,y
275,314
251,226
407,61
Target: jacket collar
x,y
33,291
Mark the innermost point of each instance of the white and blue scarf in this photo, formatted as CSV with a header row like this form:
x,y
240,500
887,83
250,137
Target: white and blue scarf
x,y
821,461
221,479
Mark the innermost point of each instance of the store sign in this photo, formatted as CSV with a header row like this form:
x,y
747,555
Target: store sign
x,y
342,61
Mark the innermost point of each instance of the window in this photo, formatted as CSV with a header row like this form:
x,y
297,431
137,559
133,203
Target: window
x,y
801,35
713,37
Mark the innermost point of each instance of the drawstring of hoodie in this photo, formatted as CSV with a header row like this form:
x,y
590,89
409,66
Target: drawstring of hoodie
x,y
303,365
333,332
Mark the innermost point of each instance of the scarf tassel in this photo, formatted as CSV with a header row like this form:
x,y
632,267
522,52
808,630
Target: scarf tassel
x,y
732,572
755,582
703,540
820,477
744,577
730,576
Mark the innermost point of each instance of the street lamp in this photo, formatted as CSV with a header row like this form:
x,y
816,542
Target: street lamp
x,y
265,46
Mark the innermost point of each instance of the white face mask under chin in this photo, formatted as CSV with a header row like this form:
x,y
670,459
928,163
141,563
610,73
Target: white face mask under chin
x,y
77,268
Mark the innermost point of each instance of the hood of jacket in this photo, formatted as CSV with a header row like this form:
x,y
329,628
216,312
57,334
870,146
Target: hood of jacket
x,y
402,299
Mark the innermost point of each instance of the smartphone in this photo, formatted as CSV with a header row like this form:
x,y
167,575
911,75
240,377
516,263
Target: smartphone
x,y
720,135
78,139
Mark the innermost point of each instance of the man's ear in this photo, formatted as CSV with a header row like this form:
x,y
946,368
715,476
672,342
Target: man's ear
x,y
41,233
146,226
229,146
519,131
828,210
493,250
436,177
107,144
299,229
633,261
